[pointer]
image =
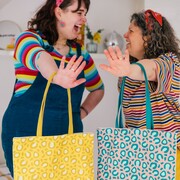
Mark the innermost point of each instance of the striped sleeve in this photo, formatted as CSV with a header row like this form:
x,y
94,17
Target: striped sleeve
x,y
93,79
167,70
28,48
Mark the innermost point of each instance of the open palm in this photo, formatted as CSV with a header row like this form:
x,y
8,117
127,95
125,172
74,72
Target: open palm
x,y
119,64
67,75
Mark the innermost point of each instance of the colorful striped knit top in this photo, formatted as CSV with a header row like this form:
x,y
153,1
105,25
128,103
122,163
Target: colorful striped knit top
x,y
29,46
164,97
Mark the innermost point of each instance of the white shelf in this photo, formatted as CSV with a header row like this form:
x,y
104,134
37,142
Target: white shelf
x,y
97,56
6,53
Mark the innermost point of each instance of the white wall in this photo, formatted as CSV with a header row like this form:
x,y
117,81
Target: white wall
x,y
7,79
3,2
169,9
19,11
110,15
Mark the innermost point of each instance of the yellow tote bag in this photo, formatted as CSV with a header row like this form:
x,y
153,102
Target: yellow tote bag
x,y
59,157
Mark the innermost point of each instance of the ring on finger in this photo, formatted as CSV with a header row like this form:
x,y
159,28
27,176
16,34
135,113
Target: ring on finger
x,y
72,69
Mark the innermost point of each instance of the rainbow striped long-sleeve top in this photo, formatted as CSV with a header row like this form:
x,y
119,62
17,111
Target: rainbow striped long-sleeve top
x,y
164,95
29,46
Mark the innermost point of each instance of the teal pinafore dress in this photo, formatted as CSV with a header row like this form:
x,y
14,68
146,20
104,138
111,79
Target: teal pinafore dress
x,y
20,118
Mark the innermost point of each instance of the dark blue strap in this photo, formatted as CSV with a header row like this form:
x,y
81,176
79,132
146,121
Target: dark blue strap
x,y
78,50
149,118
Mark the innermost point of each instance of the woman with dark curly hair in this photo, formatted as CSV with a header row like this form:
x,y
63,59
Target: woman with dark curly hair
x,y
49,46
151,42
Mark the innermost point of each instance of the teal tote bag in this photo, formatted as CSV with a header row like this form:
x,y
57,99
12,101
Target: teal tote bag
x,y
136,154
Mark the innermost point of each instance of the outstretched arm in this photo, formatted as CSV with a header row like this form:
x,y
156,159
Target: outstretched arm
x,y
119,65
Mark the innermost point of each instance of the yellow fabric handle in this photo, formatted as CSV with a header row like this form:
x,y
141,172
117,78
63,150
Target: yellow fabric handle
x,y
70,129
41,113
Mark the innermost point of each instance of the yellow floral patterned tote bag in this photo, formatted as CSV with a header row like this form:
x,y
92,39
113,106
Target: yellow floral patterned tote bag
x,y
58,157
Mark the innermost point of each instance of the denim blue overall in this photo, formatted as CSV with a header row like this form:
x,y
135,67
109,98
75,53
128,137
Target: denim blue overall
x,y
20,118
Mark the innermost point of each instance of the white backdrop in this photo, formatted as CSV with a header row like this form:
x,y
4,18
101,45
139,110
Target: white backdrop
x,y
169,9
108,14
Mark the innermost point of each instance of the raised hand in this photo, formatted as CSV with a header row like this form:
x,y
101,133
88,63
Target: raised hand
x,y
67,76
119,64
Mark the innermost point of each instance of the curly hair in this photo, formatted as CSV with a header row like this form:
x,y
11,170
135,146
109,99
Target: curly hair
x,y
45,20
161,39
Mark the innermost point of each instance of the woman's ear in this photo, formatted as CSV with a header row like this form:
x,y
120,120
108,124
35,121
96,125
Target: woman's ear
x,y
57,12
146,39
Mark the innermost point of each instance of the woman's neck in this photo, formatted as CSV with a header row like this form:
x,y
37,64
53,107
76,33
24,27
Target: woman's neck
x,y
61,47
60,43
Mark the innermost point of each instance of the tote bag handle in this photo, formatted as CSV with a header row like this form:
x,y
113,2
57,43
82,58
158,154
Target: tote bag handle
x,y
41,113
149,119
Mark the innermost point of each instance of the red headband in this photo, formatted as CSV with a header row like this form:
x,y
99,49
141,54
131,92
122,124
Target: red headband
x,y
58,2
156,15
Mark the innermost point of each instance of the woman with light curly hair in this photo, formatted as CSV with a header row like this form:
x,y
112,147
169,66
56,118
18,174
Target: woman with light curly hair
x,y
151,42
